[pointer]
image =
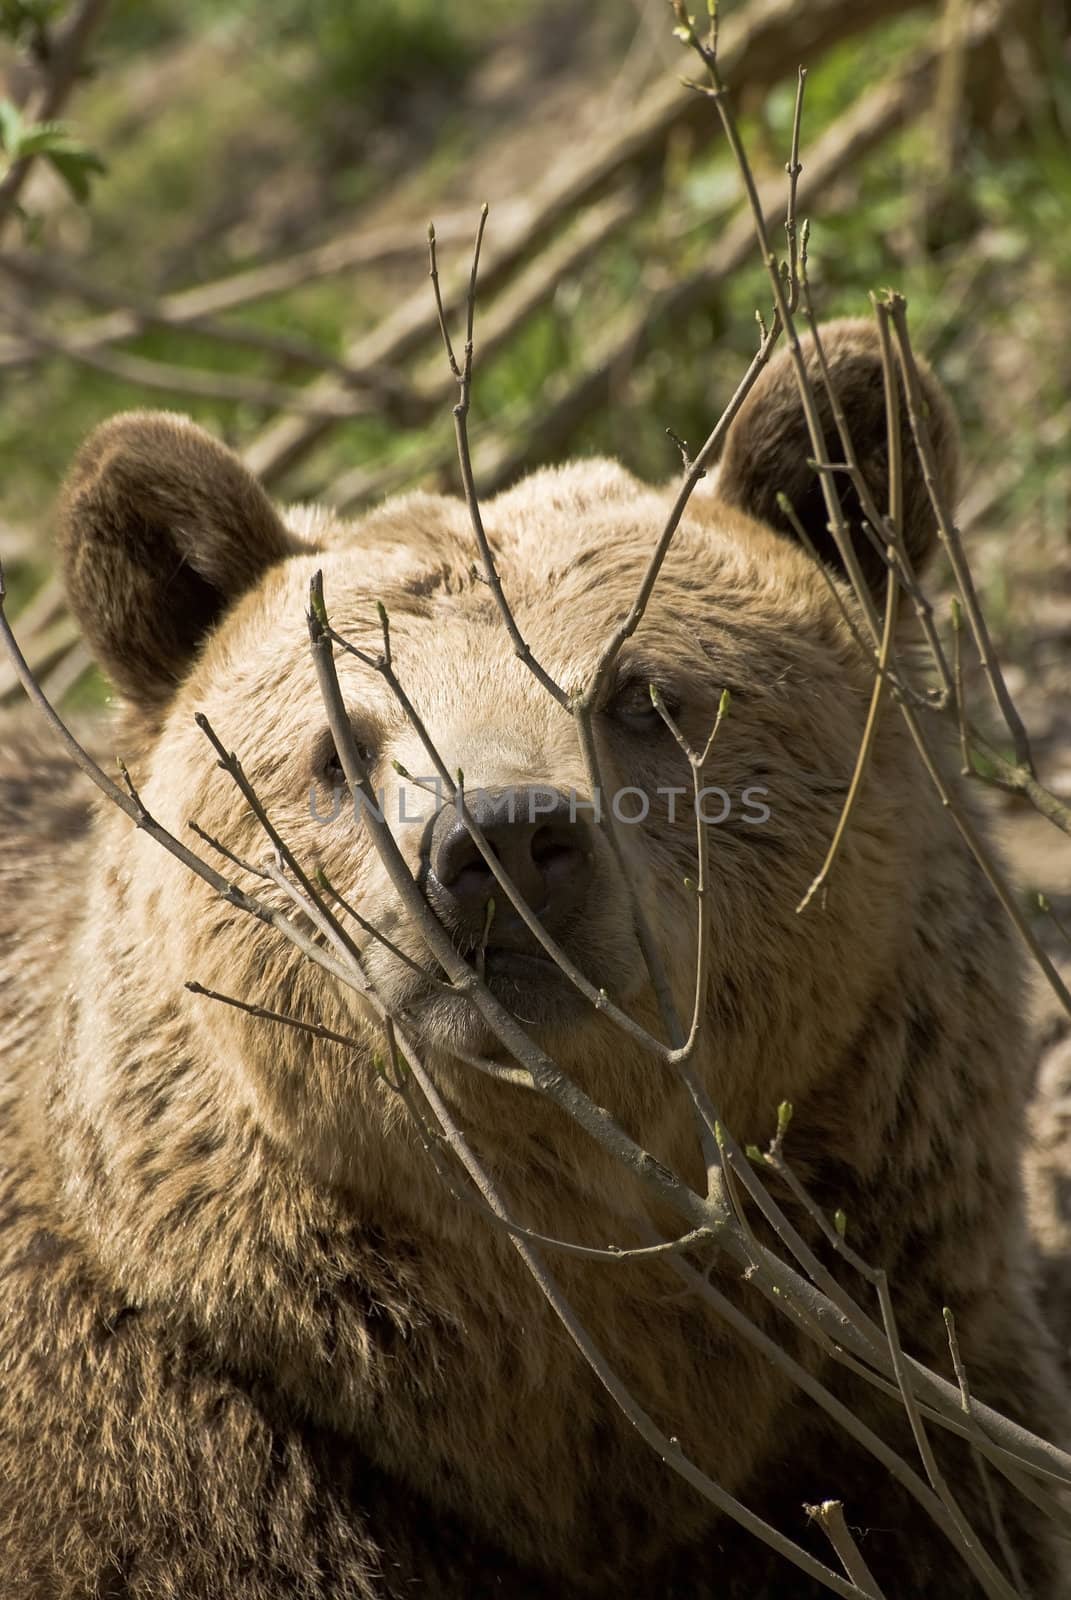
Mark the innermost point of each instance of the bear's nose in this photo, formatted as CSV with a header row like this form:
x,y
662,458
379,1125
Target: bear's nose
x,y
542,844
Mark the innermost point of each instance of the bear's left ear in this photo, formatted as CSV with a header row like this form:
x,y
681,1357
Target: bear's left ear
x,y
768,447
161,529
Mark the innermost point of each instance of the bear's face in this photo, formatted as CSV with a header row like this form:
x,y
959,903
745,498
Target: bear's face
x,y
195,592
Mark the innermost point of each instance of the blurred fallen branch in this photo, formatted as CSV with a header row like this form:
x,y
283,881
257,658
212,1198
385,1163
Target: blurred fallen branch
x,y
137,314
70,668
44,649
337,404
199,306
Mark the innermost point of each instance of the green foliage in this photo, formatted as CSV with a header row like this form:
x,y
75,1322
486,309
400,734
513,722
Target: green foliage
x,y
367,54
135,26
25,21
72,159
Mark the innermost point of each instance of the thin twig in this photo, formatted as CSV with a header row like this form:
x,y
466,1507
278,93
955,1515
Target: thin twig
x,y
794,167
1021,780
381,938
808,1384
315,1028
697,760
866,744
1011,1561
463,376
829,1516
894,444
221,849
966,764
707,52
949,534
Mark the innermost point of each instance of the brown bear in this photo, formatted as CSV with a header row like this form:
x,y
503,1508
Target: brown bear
x,y
252,1345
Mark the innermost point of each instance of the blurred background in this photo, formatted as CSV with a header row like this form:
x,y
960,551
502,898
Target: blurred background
x,y
221,207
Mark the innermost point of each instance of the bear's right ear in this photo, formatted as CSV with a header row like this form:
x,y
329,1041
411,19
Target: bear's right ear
x,y
161,529
768,448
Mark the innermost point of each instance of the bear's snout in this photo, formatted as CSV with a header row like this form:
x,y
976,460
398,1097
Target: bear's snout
x,y
541,842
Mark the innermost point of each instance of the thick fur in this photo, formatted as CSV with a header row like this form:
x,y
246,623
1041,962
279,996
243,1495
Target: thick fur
x,y
251,1346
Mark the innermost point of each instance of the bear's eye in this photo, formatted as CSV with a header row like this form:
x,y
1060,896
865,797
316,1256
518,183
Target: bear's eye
x,y
634,709
327,763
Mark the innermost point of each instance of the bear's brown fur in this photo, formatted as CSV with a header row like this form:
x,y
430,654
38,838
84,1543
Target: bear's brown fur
x,y
251,1347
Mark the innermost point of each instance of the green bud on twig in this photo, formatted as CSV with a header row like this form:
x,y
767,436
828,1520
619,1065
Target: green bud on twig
x,y
317,605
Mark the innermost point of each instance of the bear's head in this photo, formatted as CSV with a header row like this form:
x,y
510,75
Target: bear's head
x,y
192,589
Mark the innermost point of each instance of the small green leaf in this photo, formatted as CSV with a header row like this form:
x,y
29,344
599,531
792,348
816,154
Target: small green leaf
x,y
36,138
11,127
784,1117
753,1152
840,1221
75,168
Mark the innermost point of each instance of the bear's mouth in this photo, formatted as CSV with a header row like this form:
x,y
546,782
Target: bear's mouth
x,y
526,983
530,985
503,961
